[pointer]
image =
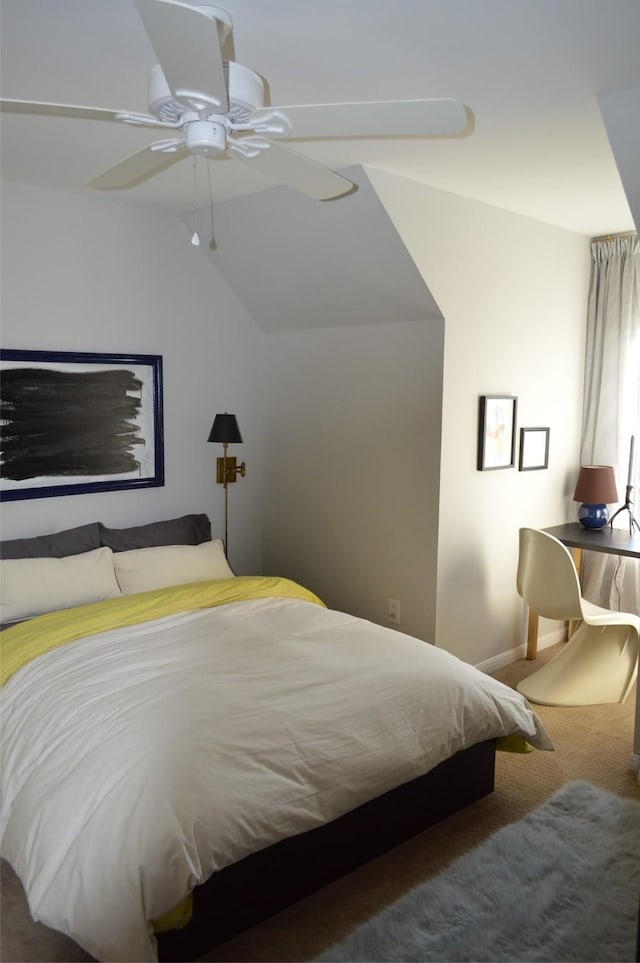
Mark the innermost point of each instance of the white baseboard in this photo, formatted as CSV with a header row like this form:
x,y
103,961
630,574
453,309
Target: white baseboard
x,y
497,662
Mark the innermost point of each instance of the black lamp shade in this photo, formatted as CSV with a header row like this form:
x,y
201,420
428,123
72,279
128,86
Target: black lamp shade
x,y
225,430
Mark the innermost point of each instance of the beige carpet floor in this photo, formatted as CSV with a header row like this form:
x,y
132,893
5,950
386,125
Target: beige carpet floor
x,y
591,742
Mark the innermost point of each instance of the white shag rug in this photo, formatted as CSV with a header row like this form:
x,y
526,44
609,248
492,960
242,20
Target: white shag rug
x,y
562,884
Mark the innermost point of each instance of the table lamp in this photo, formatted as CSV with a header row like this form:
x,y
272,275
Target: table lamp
x,y
596,489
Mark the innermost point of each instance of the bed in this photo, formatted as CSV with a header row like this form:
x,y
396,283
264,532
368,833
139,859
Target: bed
x,y
186,751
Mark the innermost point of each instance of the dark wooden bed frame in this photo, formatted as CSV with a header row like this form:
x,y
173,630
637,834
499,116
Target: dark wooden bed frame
x,y
241,895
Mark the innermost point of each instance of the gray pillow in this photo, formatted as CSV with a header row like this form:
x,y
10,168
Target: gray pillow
x,y
187,530
73,541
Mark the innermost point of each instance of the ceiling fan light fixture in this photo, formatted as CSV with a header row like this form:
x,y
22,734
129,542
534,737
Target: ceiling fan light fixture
x,y
205,137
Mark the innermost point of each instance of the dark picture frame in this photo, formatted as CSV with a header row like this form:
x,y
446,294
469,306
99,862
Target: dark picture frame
x,y
75,422
497,432
534,449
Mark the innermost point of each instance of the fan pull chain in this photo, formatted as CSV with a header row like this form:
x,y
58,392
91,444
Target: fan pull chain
x,y
212,242
195,237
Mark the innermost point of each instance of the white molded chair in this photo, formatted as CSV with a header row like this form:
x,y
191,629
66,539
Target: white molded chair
x,y
600,661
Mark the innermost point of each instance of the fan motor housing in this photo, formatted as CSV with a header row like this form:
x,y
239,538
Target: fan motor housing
x,y
245,90
223,19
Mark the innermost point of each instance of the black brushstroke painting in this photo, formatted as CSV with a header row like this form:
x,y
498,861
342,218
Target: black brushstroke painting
x,y
69,423
74,422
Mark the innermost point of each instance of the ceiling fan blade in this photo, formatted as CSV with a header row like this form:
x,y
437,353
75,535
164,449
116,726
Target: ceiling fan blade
x,y
186,43
387,118
287,167
57,110
136,168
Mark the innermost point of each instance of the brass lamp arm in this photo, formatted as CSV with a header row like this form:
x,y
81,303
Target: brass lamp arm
x,y
227,470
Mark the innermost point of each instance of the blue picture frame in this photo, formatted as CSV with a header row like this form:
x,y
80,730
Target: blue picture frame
x,y
75,422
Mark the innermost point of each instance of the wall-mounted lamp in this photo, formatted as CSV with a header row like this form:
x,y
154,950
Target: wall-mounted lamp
x,y
596,489
225,430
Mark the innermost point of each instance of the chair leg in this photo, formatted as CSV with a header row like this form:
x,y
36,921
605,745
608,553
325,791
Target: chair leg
x,y
532,635
597,665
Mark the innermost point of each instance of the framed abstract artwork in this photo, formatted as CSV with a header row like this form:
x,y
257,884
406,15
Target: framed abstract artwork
x,y
534,449
497,432
74,422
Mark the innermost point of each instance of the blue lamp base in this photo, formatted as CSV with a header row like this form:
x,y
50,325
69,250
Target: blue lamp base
x,y
593,516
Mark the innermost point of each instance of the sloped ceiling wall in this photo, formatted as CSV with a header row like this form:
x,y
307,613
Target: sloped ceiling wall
x,y
295,263
620,110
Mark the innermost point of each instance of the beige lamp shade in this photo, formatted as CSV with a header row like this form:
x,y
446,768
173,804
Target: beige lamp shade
x,y
596,485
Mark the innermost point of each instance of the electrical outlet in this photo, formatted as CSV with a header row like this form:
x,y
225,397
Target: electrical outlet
x,y
393,611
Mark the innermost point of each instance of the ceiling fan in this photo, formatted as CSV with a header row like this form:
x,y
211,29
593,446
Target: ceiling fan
x,y
216,107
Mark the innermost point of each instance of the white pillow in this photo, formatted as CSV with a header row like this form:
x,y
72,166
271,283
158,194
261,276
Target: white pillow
x,y
33,586
143,569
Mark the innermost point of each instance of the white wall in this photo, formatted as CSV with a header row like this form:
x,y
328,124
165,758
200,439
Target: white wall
x,y
352,465
87,275
363,504
513,293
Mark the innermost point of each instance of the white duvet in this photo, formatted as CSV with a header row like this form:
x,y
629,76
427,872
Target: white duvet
x,y
138,761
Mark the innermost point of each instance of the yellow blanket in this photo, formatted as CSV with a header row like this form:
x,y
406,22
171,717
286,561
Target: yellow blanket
x,y
24,642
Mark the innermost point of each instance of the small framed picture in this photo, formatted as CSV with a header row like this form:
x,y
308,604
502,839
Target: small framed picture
x,y
534,449
497,432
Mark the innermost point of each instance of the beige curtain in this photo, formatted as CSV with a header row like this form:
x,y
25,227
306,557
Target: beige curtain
x,y
611,414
